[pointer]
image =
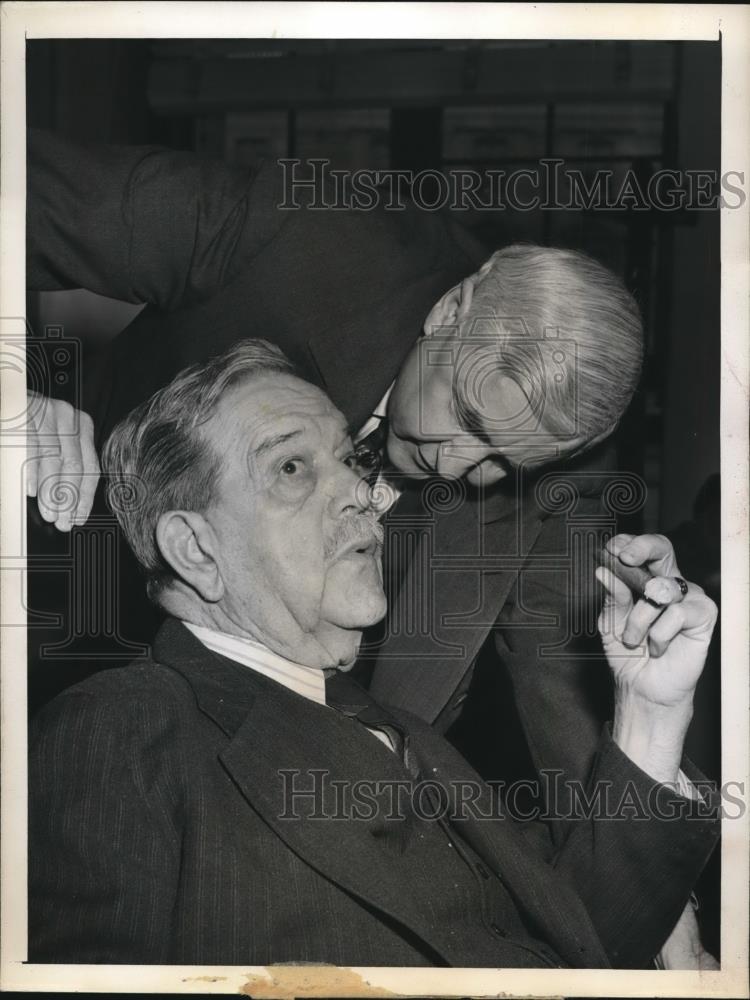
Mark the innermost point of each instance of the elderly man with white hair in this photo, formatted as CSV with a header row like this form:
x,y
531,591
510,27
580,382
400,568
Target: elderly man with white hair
x,y
231,799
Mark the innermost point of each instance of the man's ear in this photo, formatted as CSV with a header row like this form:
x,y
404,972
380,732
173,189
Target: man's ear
x,y
443,317
454,306
466,295
603,435
469,285
187,543
484,269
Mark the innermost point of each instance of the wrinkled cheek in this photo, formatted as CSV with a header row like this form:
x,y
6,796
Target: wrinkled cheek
x,y
299,581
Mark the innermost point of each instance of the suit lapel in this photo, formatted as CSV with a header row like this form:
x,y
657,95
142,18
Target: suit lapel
x,y
286,745
456,560
281,745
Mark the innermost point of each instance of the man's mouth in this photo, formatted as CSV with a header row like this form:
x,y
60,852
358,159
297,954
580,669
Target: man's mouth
x,y
360,540
349,551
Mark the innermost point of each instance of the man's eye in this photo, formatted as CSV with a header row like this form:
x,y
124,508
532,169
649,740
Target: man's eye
x,y
292,466
352,460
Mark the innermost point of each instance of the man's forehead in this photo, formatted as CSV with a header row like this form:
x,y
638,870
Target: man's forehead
x,y
276,403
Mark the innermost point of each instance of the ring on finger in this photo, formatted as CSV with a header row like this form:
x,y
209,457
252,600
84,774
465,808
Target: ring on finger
x,y
664,590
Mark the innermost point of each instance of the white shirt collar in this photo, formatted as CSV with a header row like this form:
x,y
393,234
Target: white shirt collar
x,y
378,414
309,682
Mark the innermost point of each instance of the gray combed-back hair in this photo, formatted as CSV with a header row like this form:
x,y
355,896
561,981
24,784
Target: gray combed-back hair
x,y
156,459
566,330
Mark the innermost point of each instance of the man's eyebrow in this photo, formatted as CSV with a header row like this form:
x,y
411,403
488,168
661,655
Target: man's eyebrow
x,y
274,441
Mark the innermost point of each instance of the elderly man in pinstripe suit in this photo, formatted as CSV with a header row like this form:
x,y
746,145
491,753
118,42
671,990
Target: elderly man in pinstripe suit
x,y
192,808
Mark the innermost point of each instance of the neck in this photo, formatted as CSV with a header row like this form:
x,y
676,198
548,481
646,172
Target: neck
x,y
327,647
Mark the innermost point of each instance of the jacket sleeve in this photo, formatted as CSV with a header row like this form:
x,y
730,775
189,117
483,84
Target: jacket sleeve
x,y
104,847
631,851
561,684
634,851
141,224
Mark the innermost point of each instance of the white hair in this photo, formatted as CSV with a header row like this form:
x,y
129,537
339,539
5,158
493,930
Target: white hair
x,y
565,329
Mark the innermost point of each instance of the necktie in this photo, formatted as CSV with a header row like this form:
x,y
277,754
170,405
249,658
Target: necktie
x,y
352,701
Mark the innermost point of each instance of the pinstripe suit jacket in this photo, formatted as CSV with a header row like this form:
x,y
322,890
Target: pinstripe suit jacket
x,y
160,833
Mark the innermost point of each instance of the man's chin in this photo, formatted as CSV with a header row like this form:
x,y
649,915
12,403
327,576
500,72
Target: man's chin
x,y
356,614
354,596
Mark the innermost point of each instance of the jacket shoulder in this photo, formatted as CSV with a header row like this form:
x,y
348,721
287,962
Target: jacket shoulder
x,y
146,675
144,694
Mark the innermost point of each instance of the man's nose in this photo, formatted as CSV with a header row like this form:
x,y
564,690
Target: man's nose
x,y
350,493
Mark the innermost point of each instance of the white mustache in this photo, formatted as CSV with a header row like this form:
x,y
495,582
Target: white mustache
x,y
357,531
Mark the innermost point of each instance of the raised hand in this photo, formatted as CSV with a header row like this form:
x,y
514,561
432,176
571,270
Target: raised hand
x,y
62,468
656,653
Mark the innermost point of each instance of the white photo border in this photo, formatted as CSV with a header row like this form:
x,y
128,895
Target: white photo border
x,y
368,20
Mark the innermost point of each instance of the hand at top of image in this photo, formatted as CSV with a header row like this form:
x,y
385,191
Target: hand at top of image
x,y
62,468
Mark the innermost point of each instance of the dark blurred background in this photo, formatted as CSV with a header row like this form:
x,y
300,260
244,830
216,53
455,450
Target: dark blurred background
x,y
426,104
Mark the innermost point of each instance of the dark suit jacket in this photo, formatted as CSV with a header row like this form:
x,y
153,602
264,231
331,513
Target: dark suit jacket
x,y
160,832
345,294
